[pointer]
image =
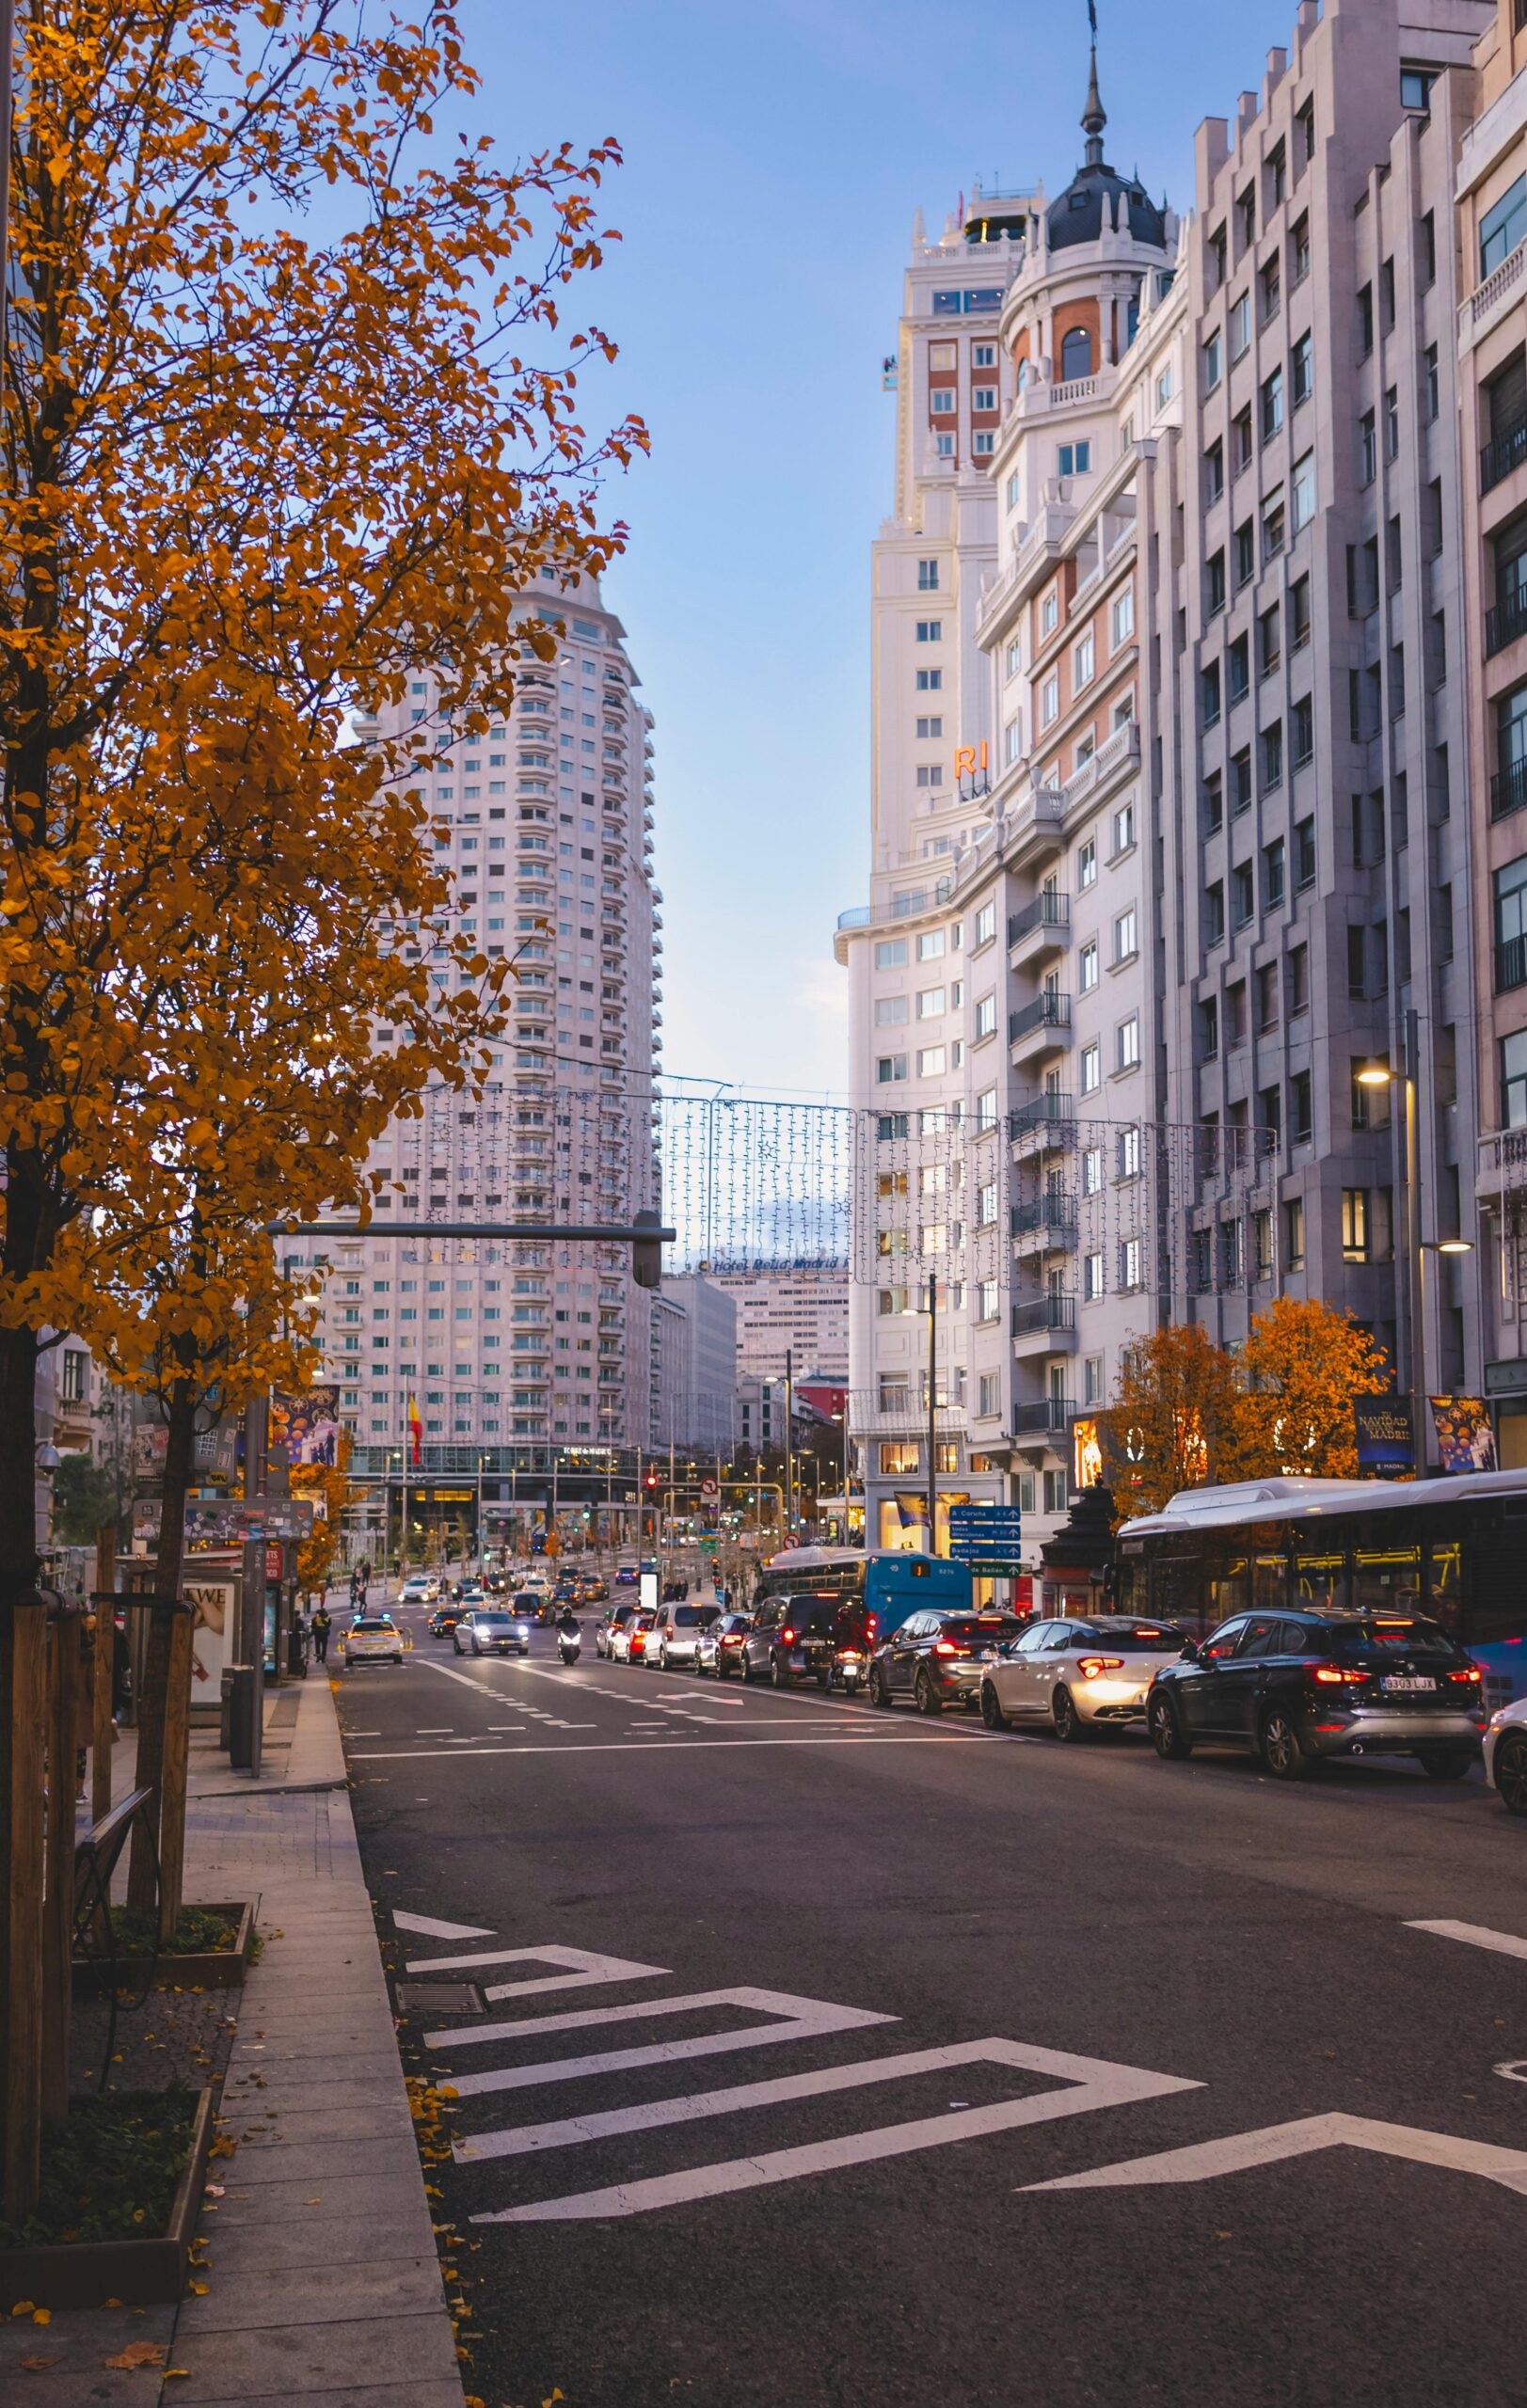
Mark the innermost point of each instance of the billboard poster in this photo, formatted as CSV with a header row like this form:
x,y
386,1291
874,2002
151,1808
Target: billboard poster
x,y
212,1635
308,1426
151,1441
1465,1432
1386,1442
221,1524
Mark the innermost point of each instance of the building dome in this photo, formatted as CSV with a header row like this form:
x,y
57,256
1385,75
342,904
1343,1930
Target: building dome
x,y
1098,200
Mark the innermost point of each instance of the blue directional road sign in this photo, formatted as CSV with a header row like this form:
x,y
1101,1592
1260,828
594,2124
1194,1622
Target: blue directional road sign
x,y
988,1538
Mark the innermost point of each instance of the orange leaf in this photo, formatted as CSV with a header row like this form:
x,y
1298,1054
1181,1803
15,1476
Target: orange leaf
x,y
138,2353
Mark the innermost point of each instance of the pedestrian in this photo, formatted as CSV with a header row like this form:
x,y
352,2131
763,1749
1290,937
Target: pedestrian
x,y
320,1626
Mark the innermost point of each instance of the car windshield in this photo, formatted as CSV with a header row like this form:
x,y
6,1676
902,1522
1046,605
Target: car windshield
x,y
1409,1635
1133,1639
492,1622
528,1601
369,1630
985,1630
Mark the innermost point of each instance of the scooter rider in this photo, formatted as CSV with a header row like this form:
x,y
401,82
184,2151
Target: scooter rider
x,y
569,1636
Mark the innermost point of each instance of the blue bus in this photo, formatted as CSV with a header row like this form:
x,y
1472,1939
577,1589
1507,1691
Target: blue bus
x,y
892,1584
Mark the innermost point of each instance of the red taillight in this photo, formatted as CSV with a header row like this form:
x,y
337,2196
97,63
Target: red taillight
x,y
731,1638
786,1636
947,1647
1332,1675
1474,1673
1090,1666
668,1630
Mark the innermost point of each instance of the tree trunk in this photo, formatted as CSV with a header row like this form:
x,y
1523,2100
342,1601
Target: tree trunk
x,y
163,1659
23,1657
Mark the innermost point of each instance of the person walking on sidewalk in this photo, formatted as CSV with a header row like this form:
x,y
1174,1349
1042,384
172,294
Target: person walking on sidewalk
x,y
320,1626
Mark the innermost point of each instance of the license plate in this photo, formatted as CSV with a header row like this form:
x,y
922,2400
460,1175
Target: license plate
x,y
1401,1681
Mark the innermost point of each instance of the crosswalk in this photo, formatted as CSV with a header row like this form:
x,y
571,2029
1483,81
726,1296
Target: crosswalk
x,y
529,2054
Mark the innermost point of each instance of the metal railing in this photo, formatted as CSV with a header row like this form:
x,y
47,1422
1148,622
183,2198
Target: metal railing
x,y
1045,1011
1043,1313
1050,1416
1506,622
1047,910
1050,1213
1046,1111
1508,788
1501,453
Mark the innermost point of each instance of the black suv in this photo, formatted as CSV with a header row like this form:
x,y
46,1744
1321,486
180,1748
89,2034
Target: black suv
x,y
791,1639
1295,1687
936,1659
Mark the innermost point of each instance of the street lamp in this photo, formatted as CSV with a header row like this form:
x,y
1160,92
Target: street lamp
x,y
1378,1073
912,1313
843,1418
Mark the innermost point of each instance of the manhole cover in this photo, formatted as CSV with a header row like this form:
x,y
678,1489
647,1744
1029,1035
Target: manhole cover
x,y
440,1997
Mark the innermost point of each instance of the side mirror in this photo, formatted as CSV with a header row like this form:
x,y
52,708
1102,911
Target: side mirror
x,y
1190,1654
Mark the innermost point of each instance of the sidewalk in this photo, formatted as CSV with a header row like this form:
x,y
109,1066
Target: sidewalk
x,y
324,2284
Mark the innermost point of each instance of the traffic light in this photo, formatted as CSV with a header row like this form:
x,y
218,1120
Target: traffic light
x,y
647,1253
652,1479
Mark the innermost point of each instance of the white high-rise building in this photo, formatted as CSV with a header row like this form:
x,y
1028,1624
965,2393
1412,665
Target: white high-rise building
x,y
800,1309
514,1353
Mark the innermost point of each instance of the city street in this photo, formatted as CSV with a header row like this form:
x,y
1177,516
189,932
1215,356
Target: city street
x,y
817,2063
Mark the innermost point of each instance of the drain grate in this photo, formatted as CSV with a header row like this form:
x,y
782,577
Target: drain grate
x,y
440,1997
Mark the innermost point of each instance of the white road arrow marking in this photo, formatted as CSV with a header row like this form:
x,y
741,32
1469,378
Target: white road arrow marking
x,y
429,1928
1476,1935
1275,2142
797,2019
1095,2083
581,1969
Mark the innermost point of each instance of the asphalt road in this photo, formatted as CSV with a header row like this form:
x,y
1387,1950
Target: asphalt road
x,y
672,2189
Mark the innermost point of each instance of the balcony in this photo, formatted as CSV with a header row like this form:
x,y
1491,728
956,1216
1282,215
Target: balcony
x,y
1510,964
1045,1227
1508,788
1047,1125
1041,1027
1035,825
1037,1325
1042,926
1507,621
1047,1418
900,1414
1503,452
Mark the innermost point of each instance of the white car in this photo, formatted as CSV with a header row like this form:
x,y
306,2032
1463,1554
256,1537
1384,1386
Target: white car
x,y
419,1590
1506,1755
676,1635
1076,1675
372,1638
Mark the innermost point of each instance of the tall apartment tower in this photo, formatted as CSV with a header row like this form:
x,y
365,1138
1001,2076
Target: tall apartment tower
x,y
1317,889
514,1352
1492,375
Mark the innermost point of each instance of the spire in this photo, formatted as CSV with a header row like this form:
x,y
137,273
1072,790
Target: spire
x,y
1094,116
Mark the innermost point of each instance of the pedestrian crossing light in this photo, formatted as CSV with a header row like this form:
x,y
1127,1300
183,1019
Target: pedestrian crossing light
x,y
647,1253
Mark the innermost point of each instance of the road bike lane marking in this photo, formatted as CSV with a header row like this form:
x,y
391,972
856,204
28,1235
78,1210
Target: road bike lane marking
x,y
581,1968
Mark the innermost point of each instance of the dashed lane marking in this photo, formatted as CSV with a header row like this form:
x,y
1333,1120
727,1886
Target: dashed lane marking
x,y
673,1742
1504,1943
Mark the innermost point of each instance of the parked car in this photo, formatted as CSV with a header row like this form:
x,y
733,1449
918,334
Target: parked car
x,y
717,1647
938,1659
605,1629
676,1634
418,1590
1076,1675
371,1638
1506,1755
487,1630
443,1621
1297,1688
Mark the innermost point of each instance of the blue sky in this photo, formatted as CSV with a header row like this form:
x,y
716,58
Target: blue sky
x,y
775,152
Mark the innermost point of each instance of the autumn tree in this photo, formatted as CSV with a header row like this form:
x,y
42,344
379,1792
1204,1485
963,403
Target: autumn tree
x,y
1302,1366
1175,1419
288,420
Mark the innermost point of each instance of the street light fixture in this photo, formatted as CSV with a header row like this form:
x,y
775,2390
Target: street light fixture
x,y
1378,1073
914,1313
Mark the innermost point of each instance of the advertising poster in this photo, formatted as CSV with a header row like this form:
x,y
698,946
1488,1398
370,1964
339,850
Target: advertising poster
x,y
1386,1442
1465,1432
308,1426
150,1441
212,1635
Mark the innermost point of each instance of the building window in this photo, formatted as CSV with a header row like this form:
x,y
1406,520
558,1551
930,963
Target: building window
x,y
985,927
929,681
1214,362
1123,829
1055,1492
1124,617
985,1110
891,1011
986,1017
1303,730
1293,1233
1303,492
1368,447
932,1003
1129,1043
1354,1224
1391,424
1301,1108
1513,1080
1273,858
1416,88
1092,1171
1075,354
1302,370
1126,936
987,1300
943,403
1092,1279
987,1396
1272,405
929,775
930,631
1086,968
982,443
1075,460
1084,664
1502,227
72,1375
1511,927
928,577
890,1069
891,954
933,1062
1131,1257
929,730
1091,1068
1129,1153
1272,757
1087,864
1050,700
1240,326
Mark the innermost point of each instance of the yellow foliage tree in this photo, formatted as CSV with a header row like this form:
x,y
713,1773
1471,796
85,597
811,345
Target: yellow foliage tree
x,y
1175,1420
328,1485
1302,1366
276,438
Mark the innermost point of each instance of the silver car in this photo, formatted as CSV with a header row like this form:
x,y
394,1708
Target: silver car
x,y
676,1635
1077,1675
1506,1755
718,1647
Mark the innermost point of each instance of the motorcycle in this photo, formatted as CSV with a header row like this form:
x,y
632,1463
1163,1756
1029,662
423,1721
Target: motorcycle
x,y
569,1645
847,1669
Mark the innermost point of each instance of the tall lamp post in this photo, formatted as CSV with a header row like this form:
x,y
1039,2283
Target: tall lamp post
x,y
913,1314
1379,1074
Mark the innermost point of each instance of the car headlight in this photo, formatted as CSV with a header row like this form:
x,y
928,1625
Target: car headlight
x,y
522,1630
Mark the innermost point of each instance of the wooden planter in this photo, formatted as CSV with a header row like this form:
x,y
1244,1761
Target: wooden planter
x,y
140,2273
215,1969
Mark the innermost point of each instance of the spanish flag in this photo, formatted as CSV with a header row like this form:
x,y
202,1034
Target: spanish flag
x,y
416,1429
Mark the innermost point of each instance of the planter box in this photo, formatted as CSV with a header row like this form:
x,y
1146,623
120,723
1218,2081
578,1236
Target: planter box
x,y
216,1969
141,2274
